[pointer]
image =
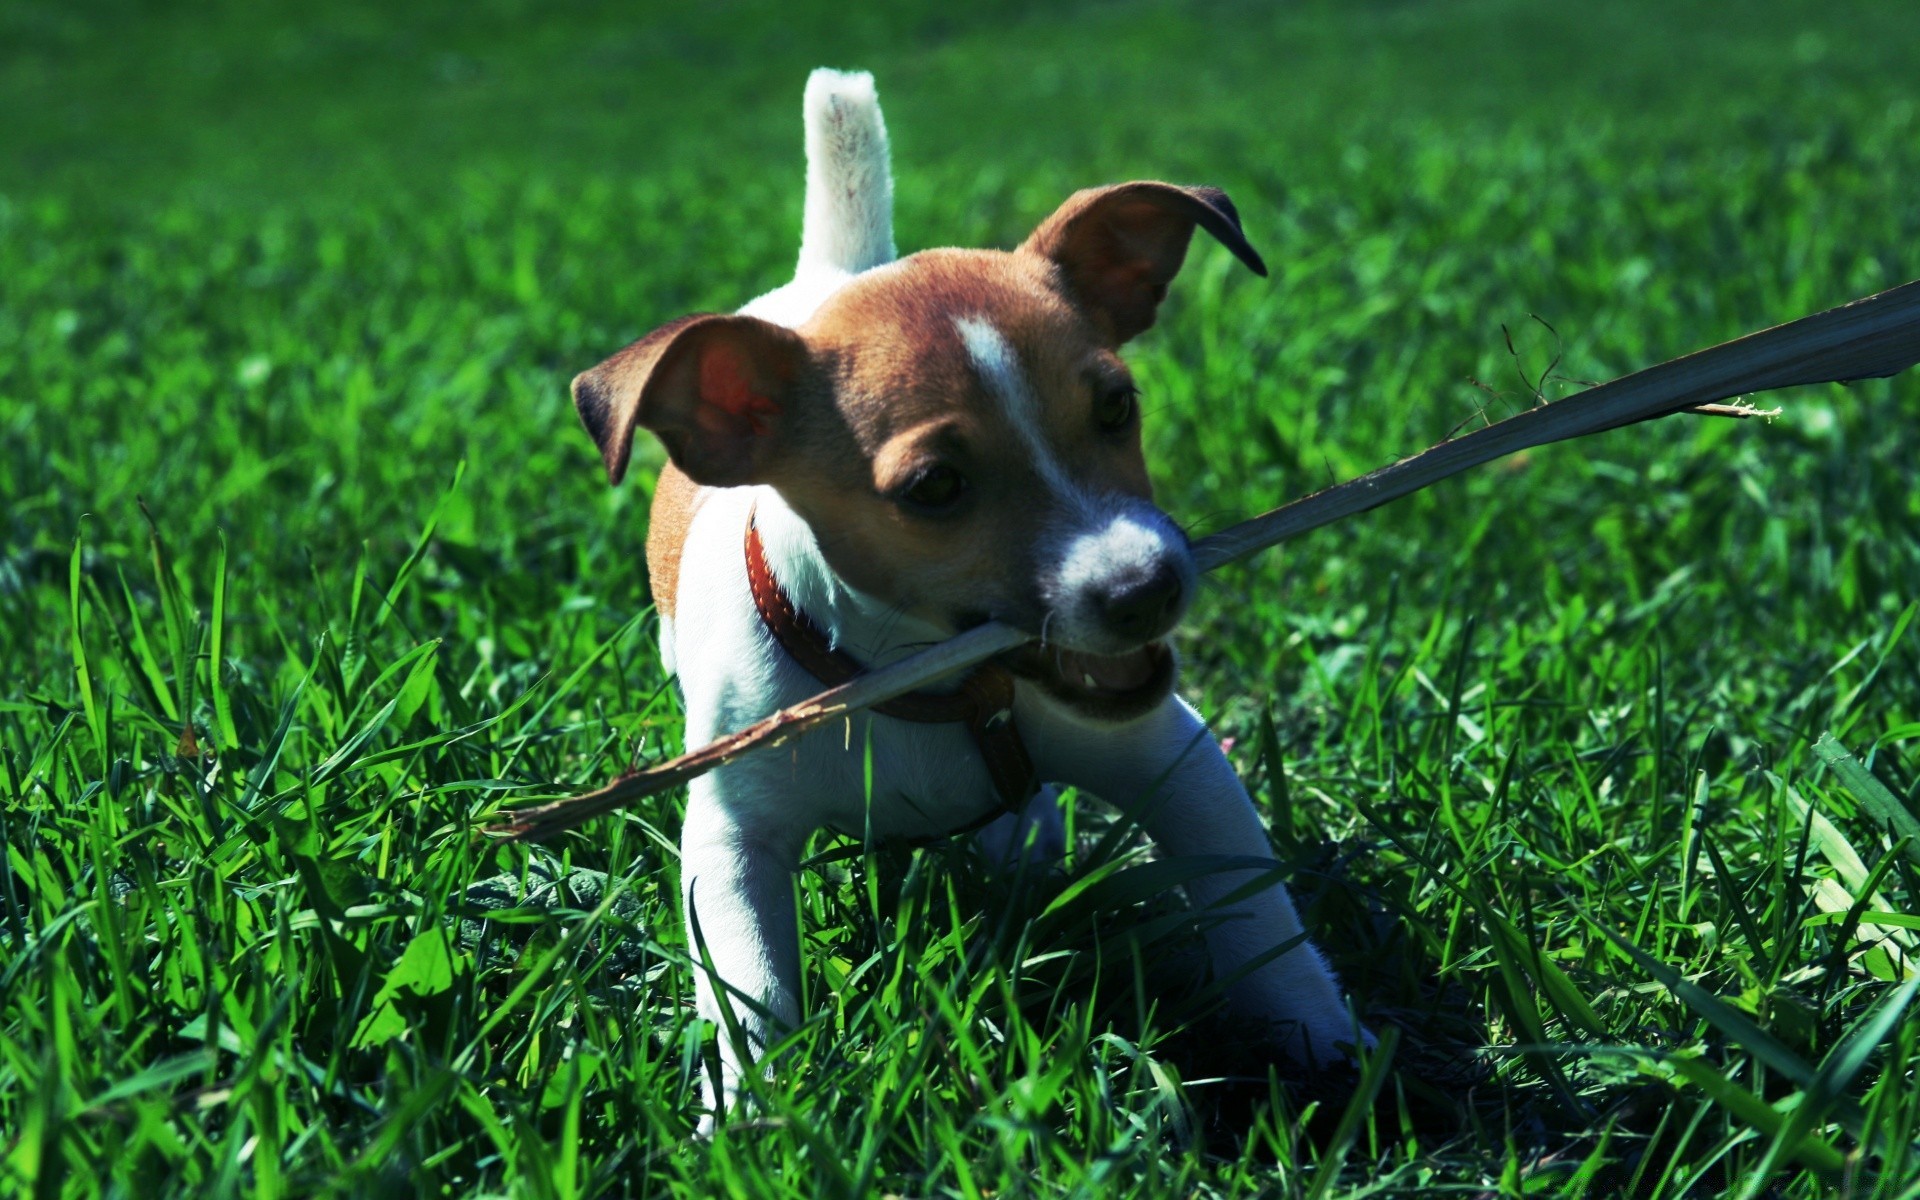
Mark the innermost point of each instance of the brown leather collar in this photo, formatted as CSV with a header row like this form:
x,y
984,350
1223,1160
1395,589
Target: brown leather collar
x,y
983,702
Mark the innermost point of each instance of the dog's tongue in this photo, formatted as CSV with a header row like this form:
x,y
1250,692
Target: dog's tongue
x,y
1112,673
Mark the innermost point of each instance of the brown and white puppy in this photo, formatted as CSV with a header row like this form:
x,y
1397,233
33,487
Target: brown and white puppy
x,y
925,444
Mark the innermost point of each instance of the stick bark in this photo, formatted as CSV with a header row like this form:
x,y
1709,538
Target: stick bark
x,y
1870,338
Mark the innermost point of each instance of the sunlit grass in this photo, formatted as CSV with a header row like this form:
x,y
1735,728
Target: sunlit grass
x,y
307,566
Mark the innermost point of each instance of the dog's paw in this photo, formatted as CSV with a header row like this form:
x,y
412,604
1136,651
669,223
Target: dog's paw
x,y
1337,1042
1309,1030
1034,839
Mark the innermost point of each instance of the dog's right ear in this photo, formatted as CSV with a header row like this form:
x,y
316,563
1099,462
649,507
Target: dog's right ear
x,y
717,390
1119,247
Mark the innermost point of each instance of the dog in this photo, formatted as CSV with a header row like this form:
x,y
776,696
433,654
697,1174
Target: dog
x,y
884,452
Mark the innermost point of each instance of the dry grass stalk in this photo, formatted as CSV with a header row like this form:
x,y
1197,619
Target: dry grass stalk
x,y
1870,338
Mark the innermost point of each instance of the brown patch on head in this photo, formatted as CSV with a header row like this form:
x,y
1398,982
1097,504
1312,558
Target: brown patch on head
x,y
947,471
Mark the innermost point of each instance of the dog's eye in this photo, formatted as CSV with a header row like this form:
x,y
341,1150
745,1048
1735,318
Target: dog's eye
x,y
1113,409
935,488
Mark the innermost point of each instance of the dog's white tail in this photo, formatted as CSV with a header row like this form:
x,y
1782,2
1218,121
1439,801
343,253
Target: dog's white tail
x,y
849,219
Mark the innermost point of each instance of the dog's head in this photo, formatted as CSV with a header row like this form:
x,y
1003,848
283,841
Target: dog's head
x,y
959,432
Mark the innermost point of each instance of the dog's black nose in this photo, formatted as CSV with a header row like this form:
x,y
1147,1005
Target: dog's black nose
x,y
1142,608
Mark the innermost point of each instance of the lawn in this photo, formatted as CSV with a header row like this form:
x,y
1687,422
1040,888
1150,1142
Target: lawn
x,y
1596,769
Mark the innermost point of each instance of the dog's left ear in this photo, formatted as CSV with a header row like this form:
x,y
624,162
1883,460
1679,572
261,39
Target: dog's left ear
x,y
719,391
1118,247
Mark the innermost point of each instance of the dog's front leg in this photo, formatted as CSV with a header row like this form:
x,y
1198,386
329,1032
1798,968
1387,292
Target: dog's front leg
x,y
737,889
1168,771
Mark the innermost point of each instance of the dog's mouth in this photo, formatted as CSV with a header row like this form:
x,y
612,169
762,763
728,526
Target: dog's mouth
x,y
1108,687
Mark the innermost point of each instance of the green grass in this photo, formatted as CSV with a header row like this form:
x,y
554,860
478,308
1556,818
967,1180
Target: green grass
x,y
307,567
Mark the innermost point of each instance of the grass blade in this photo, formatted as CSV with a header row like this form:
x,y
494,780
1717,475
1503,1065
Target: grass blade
x,y
1373,1073
1837,1071
1733,1024
419,550
216,659
1872,795
82,669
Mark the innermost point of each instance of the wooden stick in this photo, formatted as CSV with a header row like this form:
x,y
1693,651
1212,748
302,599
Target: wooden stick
x,y
1870,338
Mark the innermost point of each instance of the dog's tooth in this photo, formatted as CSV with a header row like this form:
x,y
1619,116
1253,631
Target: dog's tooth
x,y
1087,678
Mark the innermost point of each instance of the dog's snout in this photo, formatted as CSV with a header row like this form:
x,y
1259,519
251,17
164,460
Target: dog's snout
x,y
1144,606
1122,580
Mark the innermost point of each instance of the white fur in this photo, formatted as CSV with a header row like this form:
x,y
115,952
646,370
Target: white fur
x,y
848,222
849,214
1167,770
1034,837
1095,541
748,822
999,368
1125,543
1123,537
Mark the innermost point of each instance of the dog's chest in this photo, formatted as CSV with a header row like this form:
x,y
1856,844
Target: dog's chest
x,y
866,774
